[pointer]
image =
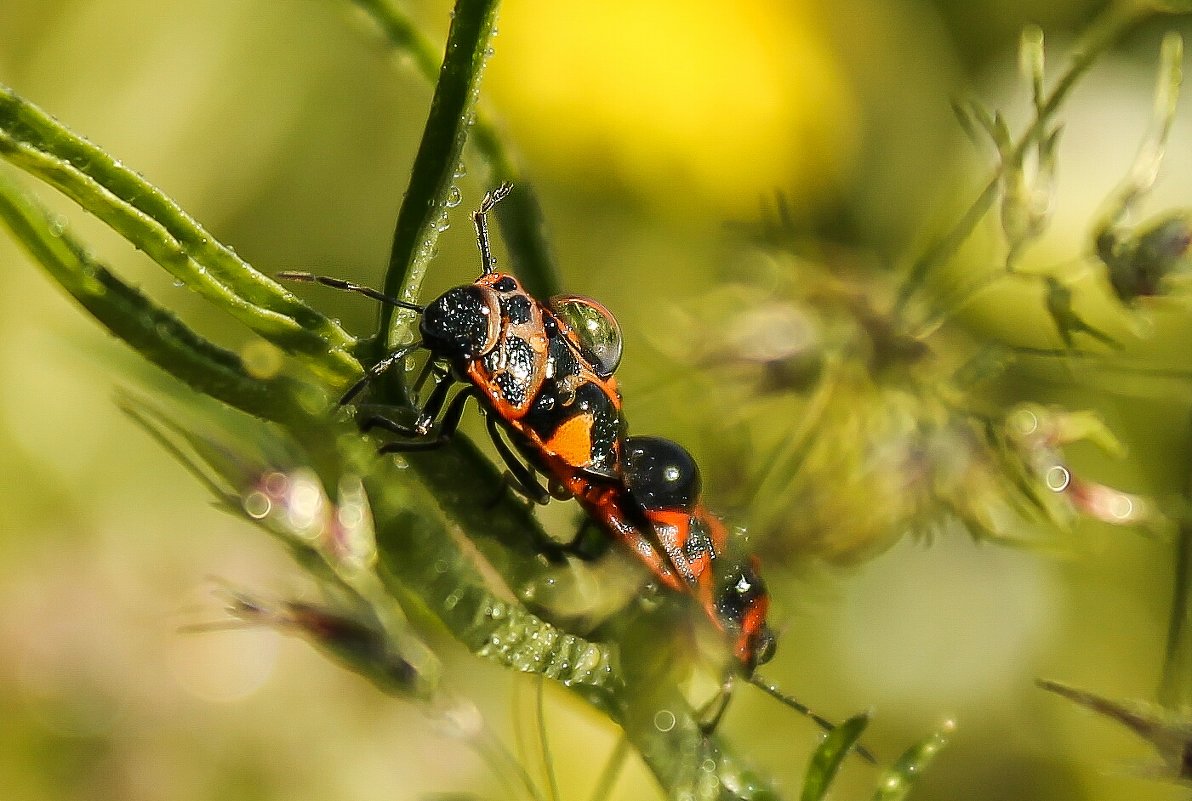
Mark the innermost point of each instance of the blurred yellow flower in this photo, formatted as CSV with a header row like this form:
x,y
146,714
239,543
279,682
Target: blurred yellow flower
x,y
701,103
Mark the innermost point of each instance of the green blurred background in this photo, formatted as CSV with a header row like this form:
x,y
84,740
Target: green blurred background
x,y
650,128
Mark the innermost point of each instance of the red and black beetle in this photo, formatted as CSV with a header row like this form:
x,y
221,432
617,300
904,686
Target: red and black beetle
x,y
544,375
551,388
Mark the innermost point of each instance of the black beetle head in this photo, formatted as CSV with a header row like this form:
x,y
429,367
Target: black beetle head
x,y
462,323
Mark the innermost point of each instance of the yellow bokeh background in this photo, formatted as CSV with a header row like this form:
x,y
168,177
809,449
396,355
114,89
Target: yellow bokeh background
x,y
689,103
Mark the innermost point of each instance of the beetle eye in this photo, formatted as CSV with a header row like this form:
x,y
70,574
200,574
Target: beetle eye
x,y
596,328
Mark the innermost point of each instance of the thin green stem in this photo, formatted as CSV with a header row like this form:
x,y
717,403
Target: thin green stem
x,y
424,209
612,771
493,751
1175,686
552,781
403,35
1115,22
520,216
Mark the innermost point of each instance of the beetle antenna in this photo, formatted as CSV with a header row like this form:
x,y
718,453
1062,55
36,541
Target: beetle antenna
x,y
802,708
348,286
480,219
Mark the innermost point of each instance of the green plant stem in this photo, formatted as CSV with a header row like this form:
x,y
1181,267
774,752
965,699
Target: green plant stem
x,y
152,222
1109,28
548,762
1175,687
611,771
827,759
520,215
427,200
403,35
900,778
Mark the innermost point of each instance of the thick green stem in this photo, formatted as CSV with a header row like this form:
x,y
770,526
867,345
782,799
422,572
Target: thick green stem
x,y
520,215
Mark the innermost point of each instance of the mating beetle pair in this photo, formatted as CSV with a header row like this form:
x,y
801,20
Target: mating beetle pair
x,y
544,375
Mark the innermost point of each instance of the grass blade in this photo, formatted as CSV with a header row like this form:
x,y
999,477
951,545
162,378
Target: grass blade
x,y
896,782
826,760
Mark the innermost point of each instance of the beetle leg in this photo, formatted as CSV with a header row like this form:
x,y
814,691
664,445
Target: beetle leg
x,y
377,370
419,432
520,477
431,409
589,543
711,713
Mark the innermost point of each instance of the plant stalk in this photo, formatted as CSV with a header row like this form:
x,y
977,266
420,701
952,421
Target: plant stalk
x,y
1175,686
423,213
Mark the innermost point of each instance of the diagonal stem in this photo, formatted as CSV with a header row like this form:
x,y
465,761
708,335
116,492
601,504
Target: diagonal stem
x,y
1175,686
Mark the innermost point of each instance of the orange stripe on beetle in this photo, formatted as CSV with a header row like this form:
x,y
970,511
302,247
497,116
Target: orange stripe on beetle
x,y
572,440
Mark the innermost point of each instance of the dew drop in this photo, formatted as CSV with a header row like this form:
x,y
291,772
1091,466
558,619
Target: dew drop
x,y
257,505
1121,507
1058,478
664,720
1025,422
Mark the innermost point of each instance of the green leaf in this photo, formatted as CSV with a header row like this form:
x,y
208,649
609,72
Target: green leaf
x,y
896,782
154,223
826,760
155,333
